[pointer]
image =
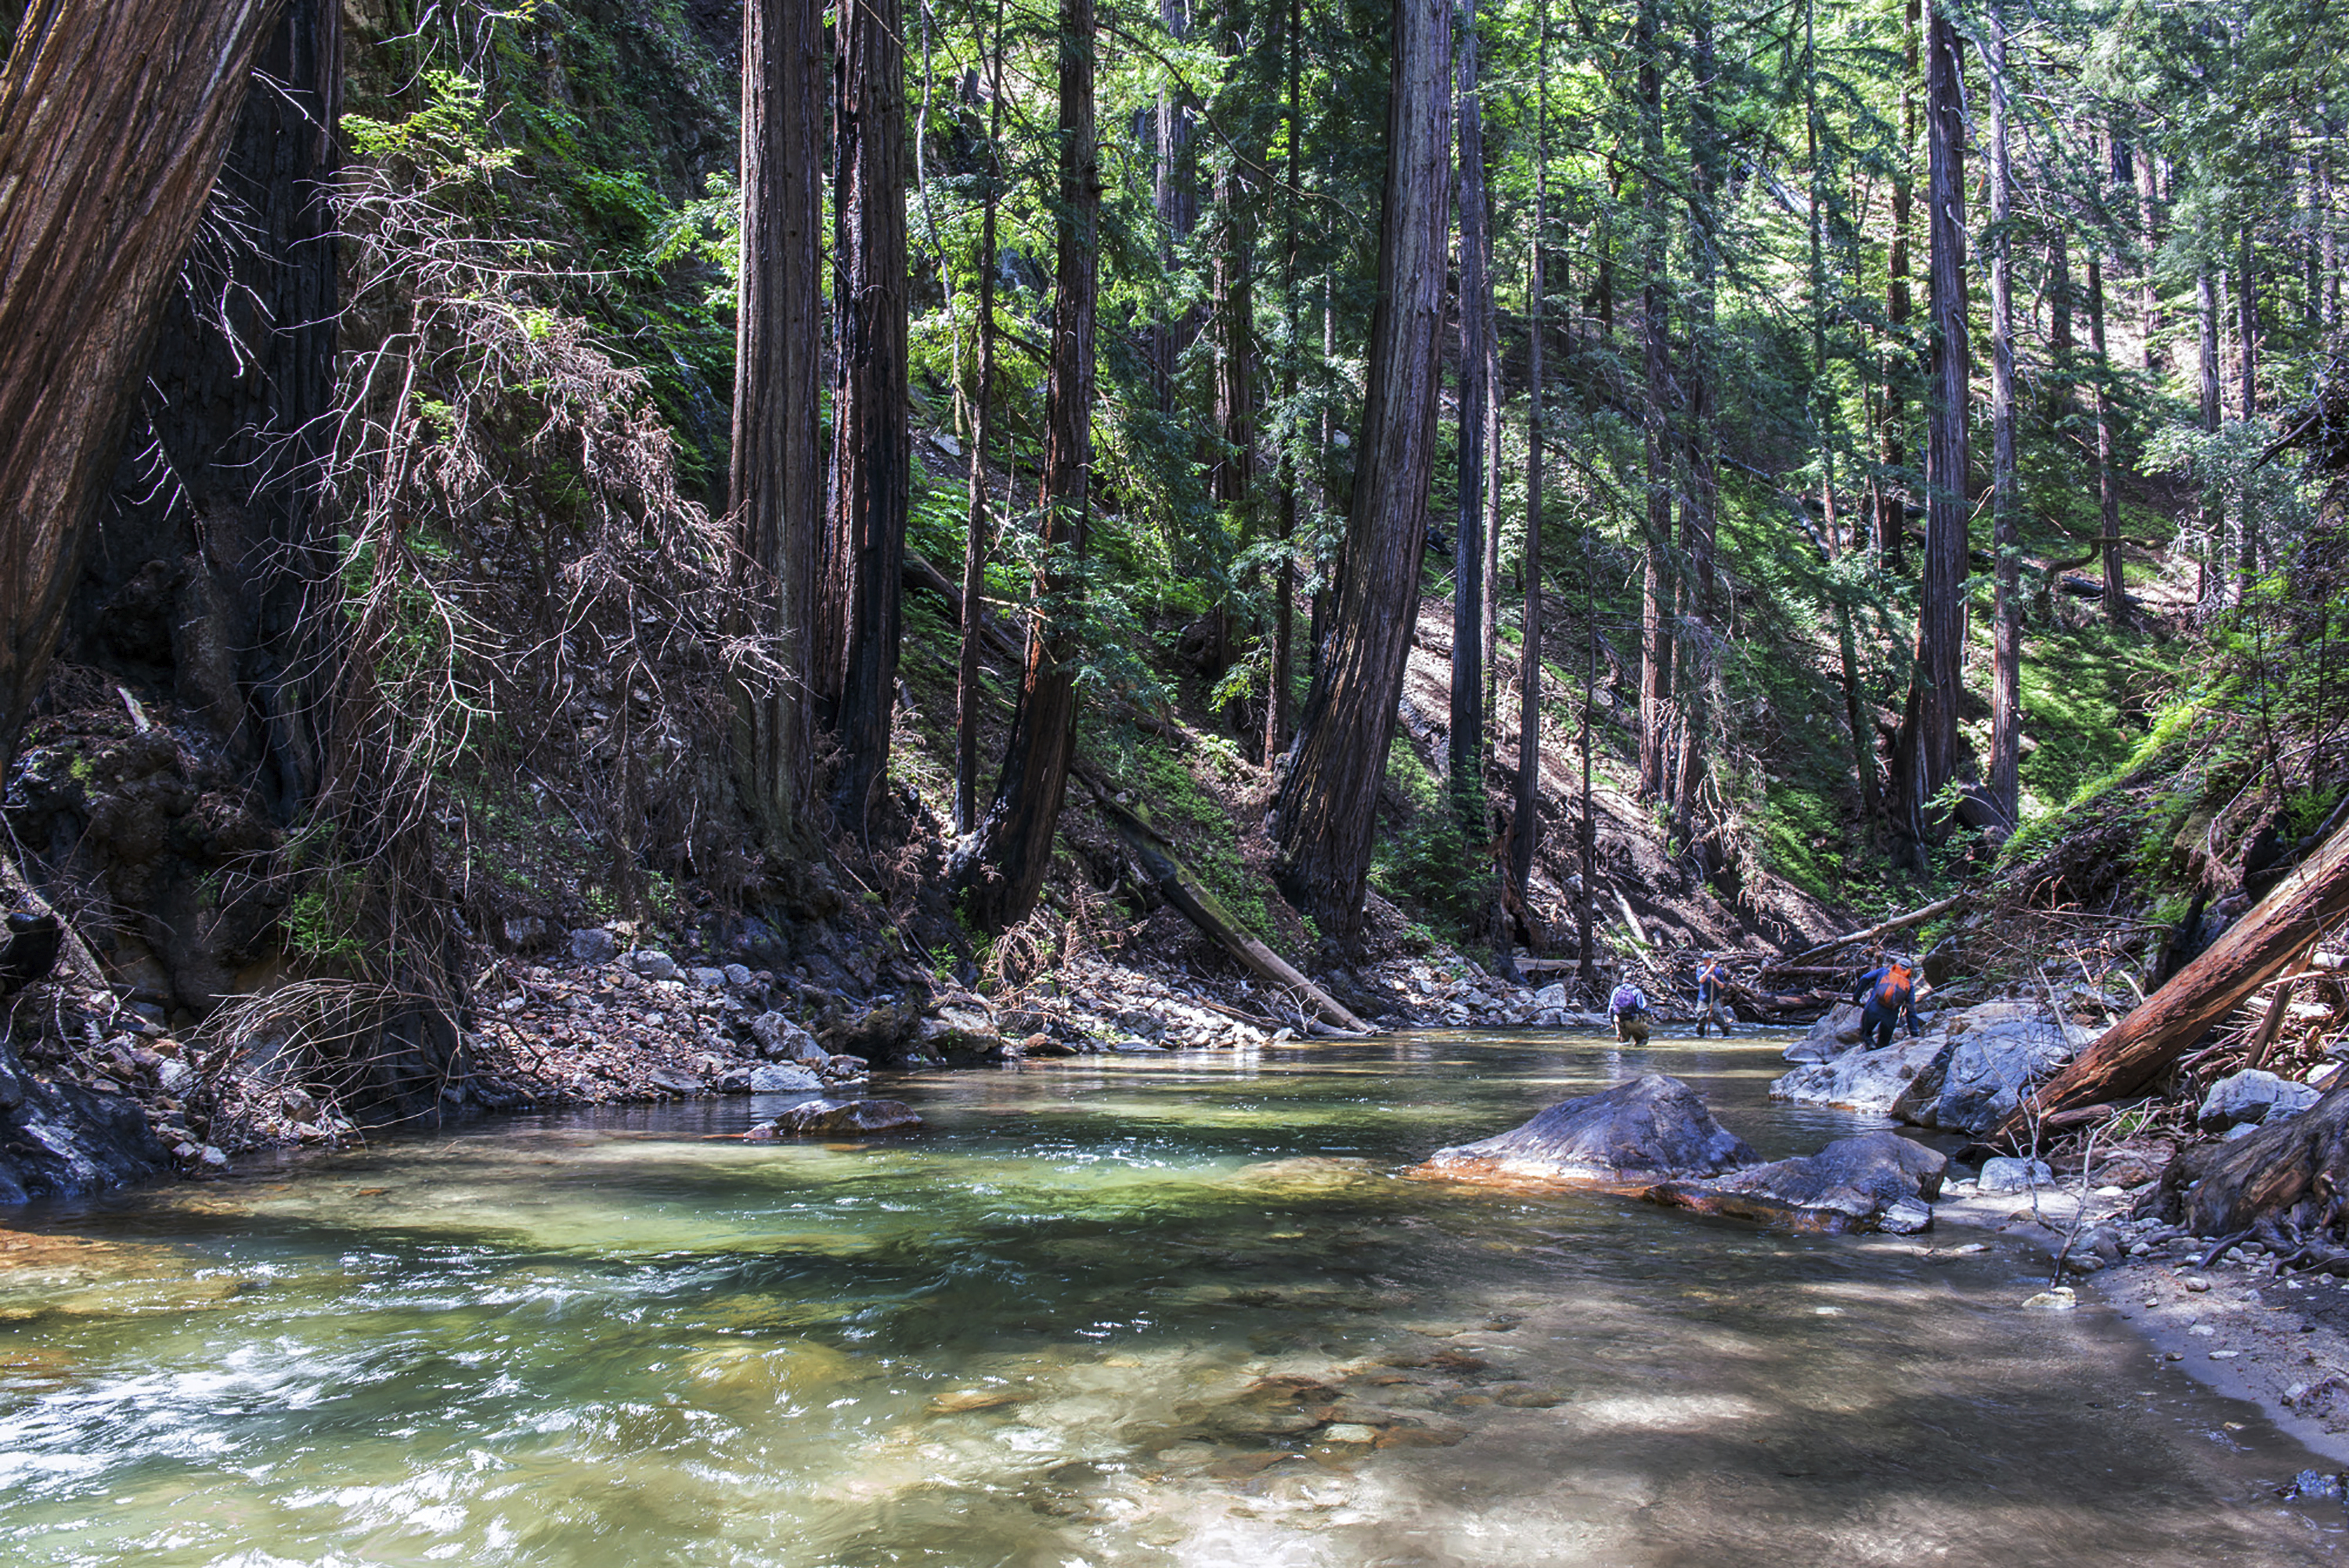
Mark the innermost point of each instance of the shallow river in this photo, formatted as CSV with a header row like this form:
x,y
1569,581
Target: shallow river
x,y
1097,1314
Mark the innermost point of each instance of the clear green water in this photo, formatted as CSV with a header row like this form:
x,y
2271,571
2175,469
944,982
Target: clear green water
x,y
1078,1321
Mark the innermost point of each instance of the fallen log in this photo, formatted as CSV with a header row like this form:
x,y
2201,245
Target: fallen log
x,y
1181,887
2225,1189
1881,928
2165,1026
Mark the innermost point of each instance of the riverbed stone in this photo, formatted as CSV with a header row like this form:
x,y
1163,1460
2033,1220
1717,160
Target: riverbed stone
x,y
782,1040
1868,1080
836,1116
1653,1128
1873,1181
594,944
958,1031
61,1140
783,1077
1830,1036
2252,1098
652,963
2005,1174
1997,1051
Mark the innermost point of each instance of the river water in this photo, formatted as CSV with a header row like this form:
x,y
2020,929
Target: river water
x,y
1179,1310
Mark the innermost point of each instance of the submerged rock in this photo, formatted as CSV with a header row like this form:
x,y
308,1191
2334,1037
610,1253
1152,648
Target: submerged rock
x,y
1874,1181
825,1116
1654,1129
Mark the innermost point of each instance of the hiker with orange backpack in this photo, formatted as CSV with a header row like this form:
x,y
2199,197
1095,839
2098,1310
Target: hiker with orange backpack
x,y
1884,994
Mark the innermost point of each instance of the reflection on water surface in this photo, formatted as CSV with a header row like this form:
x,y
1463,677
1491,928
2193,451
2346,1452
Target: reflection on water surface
x,y
1164,1311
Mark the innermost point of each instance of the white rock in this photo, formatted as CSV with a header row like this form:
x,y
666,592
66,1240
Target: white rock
x,y
2061,1299
776,1078
175,1077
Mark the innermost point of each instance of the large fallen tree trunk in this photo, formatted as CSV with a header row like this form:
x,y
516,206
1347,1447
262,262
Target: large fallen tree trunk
x,y
1182,888
2134,1051
2291,1175
1881,928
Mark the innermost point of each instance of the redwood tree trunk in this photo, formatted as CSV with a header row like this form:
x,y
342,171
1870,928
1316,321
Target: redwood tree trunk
x,y
857,619
1003,874
1323,816
1655,593
113,121
1941,612
2006,613
241,394
775,485
2108,495
1524,819
1467,737
1891,519
969,693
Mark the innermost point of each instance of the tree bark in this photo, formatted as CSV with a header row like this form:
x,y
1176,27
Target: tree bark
x,y
1467,733
1941,612
1656,630
2247,323
2108,496
969,693
858,613
113,121
776,478
2161,1028
1173,193
1698,511
1277,723
1004,872
240,390
1325,809
1891,519
1525,818
2006,613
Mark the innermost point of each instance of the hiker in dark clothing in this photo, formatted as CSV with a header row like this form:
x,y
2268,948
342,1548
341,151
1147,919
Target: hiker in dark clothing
x,y
1711,976
1884,994
1628,1006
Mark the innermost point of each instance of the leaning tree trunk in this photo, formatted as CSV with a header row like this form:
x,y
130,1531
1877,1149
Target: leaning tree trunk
x,y
1323,817
775,485
1004,871
113,121
858,608
2134,1051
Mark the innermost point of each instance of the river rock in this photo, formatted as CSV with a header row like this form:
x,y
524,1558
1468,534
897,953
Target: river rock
x,y
674,1080
1040,1044
2251,1099
879,1033
2004,1173
652,963
1653,1129
1830,1036
1874,1181
832,1116
1997,1051
60,1141
780,1078
1552,998
963,1031
594,944
782,1040
1868,1080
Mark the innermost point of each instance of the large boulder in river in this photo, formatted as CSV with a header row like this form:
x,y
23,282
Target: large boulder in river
x,y
834,1116
1830,1036
1968,1070
1874,1181
1652,1130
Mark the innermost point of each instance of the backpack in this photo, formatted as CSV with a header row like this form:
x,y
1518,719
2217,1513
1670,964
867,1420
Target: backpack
x,y
1893,989
1626,998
